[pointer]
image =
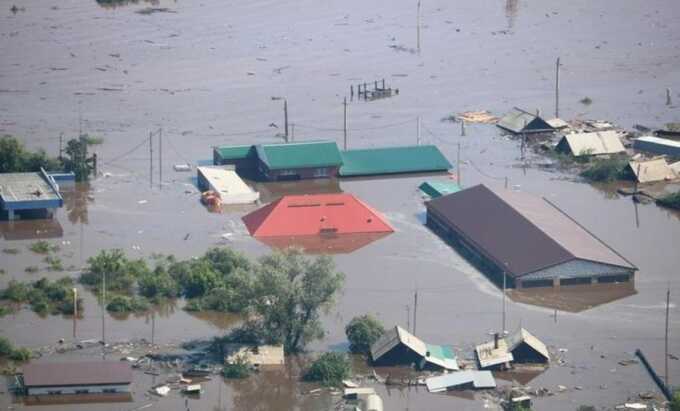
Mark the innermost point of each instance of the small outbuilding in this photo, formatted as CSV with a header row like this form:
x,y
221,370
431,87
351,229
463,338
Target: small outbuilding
x,y
468,379
254,355
526,238
526,348
438,188
92,377
657,145
494,354
591,144
399,347
226,184
519,121
28,195
650,171
393,160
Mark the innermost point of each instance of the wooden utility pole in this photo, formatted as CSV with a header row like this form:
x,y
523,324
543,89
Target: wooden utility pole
x,y
557,88
61,141
408,317
75,310
668,303
668,97
344,123
418,130
458,168
285,117
462,127
104,308
292,133
160,158
503,329
415,310
153,327
150,159
418,27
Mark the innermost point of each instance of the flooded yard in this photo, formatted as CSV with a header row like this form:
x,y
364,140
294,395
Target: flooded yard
x,y
214,73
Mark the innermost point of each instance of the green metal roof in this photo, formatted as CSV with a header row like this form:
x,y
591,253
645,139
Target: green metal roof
x,y
441,351
439,188
299,155
234,152
393,160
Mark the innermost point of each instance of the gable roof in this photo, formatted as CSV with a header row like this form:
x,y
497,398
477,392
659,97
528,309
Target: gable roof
x,y
438,188
520,121
439,355
393,160
524,336
478,379
235,152
657,145
489,356
304,215
494,220
77,373
656,169
299,155
596,143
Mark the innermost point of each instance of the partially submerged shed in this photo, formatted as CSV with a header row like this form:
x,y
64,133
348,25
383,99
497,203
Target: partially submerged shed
x,y
519,121
591,144
652,170
28,194
227,184
461,380
526,348
91,377
494,354
254,355
525,237
438,188
242,157
399,347
393,160
657,145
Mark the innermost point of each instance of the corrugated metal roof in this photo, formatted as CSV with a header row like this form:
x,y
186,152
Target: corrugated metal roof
x,y
32,186
518,231
228,185
648,171
442,356
657,145
479,379
299,155
315,214
600,142
524,336
488,356
520,121
76,373
437,188
393,160
235,152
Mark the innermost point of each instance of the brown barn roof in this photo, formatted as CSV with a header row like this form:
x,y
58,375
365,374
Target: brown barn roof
x,y
520,231
77,373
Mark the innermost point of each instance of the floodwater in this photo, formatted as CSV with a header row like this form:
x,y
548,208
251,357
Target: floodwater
x,y
206,73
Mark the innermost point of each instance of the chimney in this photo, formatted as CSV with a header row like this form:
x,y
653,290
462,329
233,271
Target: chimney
x,y
495,341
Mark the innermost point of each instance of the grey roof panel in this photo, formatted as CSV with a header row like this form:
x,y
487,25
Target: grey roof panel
x,y
77,373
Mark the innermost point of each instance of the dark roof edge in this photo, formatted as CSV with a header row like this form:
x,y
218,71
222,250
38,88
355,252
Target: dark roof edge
x,y
80,384
633,266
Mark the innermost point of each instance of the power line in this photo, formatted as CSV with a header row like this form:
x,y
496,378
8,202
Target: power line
x,y
132,150
409,121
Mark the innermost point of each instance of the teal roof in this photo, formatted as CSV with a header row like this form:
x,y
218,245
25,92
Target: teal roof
x,y
393,160
439,188
441,351
299,155
234,152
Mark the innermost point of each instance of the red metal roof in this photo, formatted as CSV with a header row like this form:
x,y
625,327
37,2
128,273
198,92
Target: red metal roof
x,y
77,373
325,244
306,215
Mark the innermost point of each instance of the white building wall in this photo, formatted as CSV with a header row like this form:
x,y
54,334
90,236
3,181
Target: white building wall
x,y
91,389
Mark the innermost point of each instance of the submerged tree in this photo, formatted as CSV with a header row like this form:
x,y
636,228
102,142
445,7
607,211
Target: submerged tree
x,y
289,292
362,332
77,160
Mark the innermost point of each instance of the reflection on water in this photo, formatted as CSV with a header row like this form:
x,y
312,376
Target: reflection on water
x,y
273,191
523,375
76,399
163,309
324,244
111,4
511,7
223,321
31,229
573,298
76,202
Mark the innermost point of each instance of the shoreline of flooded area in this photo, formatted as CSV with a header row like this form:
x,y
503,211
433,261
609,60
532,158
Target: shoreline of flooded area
x,y
209,74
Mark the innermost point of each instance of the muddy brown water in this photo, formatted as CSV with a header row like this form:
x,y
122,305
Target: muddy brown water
x,y
207,74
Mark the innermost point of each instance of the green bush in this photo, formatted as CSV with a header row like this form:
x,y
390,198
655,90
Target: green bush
x,y
54,263
20,354
362,332
43,295
16,291
329,369
670,200
124,304
15,158
675,402
605,170
121,273
43,247
237,370
6,347
158,283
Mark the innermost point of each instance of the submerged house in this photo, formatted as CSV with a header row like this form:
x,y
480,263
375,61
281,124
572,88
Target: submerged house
x,y
652,170
317,223
591,144
519,121
399,347
226,184
525,238
393,160
657,145
28,195
520,347
468,379
438,188
95,377
283,161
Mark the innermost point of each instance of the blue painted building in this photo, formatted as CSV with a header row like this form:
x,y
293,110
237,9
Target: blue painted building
x,y
28,195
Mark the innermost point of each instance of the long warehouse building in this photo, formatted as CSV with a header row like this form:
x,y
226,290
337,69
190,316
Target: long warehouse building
x,y
526,237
